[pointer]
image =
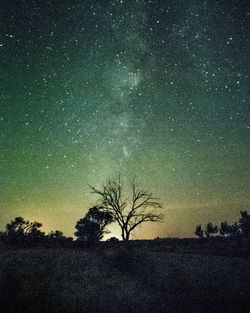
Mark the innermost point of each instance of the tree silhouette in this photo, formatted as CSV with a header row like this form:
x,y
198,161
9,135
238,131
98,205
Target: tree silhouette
x,y
224,229
199,232
244,223
19,231
113,240
227,230
58,239
128,213
57,235
91,228
210,230
20,226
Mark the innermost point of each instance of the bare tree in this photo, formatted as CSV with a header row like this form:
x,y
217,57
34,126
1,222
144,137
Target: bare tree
x,y
128,213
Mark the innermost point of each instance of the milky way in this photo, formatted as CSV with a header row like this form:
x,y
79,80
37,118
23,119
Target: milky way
x,y
153,89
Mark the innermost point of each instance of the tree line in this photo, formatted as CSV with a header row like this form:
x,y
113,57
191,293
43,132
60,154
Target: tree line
x,y
236,230
112,206
21,232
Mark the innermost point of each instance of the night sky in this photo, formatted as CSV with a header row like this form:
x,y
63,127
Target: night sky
x,y
154,89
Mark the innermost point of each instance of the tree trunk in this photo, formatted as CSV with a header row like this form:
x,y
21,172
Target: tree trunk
x,y
125,234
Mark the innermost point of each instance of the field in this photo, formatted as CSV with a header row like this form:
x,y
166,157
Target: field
x,y
122,279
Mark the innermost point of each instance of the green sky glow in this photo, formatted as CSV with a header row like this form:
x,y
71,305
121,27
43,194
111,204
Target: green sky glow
x,y
153,89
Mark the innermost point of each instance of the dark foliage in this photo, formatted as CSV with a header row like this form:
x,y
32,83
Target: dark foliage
x,y
199,231
228,230
211,230
236,230
92,227
244,224
113,240
20,233
56,238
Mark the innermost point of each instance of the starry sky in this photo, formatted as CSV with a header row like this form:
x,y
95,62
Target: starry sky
x,y
157,89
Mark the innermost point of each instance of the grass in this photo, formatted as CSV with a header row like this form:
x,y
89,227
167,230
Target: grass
x,y
121,279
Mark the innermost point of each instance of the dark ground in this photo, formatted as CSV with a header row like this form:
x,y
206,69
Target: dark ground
x,y
145,276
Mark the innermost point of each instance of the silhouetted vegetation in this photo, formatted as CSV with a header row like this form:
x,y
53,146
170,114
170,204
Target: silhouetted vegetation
x,y
21,233
244,224
236,230
163,275
211,230
113,240
129,214
56,238
92,227
199,231
227,230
